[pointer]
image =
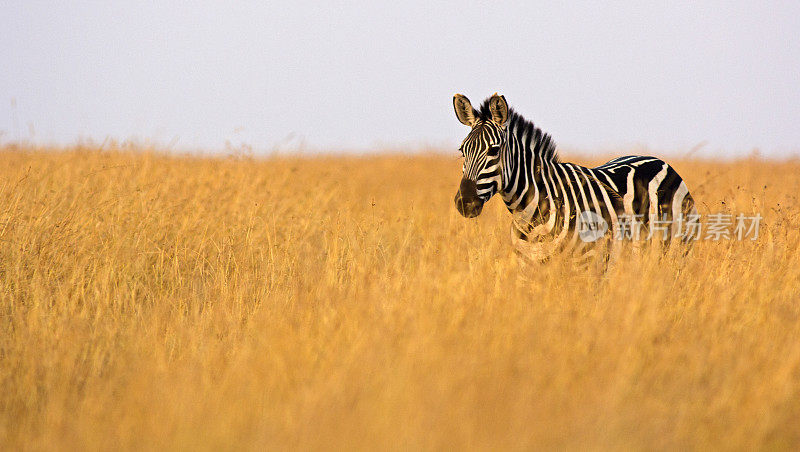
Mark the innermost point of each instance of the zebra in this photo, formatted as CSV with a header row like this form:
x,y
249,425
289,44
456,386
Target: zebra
x,y
505,153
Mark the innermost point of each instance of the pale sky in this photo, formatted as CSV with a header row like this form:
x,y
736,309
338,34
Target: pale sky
x,y
368,76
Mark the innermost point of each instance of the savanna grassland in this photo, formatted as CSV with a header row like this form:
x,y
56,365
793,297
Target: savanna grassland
x,y
151,302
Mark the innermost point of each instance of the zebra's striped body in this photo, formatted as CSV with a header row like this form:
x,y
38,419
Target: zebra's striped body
x,y
506,154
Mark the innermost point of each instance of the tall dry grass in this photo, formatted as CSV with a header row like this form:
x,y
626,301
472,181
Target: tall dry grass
x,y
151,302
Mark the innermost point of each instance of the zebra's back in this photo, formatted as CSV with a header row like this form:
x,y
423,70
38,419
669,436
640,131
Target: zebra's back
x,y
627,192
649,187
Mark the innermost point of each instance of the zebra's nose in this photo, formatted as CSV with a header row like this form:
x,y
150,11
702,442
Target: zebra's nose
x,y
469,208
467,201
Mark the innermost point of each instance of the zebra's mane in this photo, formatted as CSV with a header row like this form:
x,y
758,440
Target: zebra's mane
x,y
526,132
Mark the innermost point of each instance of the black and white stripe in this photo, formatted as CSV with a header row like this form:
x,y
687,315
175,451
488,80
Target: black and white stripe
x,y
506,154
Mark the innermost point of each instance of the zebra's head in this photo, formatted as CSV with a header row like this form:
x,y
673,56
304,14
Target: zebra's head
x,y
481,149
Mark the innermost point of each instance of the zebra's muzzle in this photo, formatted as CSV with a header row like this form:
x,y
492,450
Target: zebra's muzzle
x,y
467,201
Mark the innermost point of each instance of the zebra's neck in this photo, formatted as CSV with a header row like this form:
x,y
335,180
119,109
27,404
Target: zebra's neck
x,y
528,155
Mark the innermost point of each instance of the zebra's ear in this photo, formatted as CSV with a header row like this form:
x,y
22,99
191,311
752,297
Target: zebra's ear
x,y
464,111
499,109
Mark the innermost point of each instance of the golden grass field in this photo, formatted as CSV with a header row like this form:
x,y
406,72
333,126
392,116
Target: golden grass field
x,y
157,302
